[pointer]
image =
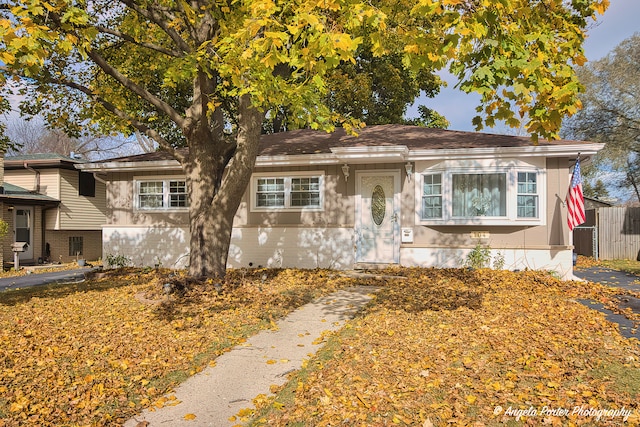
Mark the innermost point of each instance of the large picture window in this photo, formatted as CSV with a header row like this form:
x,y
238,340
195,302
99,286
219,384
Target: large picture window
x,y
505,195
161,194
288,192
479,195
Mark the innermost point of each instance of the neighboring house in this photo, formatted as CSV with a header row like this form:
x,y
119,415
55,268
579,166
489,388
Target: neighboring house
x,y
593,203
395,195
54,207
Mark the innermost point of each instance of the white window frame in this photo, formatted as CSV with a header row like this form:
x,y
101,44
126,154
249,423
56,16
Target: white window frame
x,y
509,168
535,195
166,195
287,176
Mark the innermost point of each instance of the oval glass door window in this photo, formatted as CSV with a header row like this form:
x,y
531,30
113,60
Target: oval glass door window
x,y
378,205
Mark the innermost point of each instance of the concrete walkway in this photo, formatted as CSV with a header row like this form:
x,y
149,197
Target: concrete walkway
x,y
220,392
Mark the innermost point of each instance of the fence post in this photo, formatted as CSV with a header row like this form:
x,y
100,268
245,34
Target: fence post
x,y
595,243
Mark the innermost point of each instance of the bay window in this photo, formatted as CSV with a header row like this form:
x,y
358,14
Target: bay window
x,y
502,196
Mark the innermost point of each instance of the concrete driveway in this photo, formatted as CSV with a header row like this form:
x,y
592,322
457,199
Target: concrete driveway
x,y
609,277
38,279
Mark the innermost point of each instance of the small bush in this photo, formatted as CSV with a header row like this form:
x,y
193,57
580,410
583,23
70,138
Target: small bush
x,y
498,261
118,261
479,257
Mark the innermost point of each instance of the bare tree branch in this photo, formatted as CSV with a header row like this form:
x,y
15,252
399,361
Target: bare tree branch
x,y
137,124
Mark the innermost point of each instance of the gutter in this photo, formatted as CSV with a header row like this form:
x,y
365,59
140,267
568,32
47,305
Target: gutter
x,y
366,154
37,177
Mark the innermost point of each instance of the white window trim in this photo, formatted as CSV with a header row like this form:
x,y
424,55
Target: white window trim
x,y
510,219
165,196
287,176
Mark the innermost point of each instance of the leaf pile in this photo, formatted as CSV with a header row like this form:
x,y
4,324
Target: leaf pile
x,y
98,352
458,347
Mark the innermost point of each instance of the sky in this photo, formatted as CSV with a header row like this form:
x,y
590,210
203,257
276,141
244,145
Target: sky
x,y
618,23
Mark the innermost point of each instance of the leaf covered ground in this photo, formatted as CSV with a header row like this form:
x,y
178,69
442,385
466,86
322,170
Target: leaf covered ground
x,y
468,348
439,347
98,352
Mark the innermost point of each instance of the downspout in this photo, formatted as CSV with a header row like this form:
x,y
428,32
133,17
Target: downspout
x,y
97,178
37,173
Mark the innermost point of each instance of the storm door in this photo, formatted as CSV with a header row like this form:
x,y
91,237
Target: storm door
x,y
378,217
23,224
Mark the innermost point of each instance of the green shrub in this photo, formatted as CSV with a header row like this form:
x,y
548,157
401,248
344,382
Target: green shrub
x,y
479,257
118,261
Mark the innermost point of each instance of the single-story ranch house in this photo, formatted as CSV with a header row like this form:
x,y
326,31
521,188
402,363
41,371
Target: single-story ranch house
x,y
394,195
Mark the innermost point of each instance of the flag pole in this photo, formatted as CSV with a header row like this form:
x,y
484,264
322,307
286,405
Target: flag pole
x,y
576,214
564,202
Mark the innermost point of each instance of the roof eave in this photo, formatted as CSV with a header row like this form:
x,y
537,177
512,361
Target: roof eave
x,y
565,150
368,154
40,163
144,166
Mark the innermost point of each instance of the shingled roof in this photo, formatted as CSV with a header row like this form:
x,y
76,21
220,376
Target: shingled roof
x,y
14,193
307,141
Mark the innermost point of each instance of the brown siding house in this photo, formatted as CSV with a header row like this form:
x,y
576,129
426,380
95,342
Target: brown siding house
x,y
394,195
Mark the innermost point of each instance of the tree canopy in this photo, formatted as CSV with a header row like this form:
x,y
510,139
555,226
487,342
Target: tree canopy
x,y
206,74
611,112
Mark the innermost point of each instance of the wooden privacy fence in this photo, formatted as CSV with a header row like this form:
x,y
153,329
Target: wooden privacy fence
x,y
609,233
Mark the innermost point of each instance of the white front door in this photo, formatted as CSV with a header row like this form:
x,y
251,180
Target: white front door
x,y
378,217
23,229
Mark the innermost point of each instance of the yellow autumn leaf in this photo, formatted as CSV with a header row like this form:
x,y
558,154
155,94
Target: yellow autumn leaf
x,y
190,417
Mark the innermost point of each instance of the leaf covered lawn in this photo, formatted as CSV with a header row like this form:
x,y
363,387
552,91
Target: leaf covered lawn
x,y
98,352
467,348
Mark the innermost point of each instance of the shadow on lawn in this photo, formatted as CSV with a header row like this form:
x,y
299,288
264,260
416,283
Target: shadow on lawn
x,y
432,289
242,288
108,280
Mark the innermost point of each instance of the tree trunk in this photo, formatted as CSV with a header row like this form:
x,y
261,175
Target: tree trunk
x,y
216,190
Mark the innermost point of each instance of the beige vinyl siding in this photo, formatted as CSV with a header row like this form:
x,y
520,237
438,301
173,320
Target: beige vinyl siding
x,y
80,212
120,207
22,178
49,181
557,186
552,234
338,201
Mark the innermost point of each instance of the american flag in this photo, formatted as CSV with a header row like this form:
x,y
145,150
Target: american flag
x,y
575,199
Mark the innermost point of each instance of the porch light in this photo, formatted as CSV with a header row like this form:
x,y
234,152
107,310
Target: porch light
x,y
345,171
409,168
